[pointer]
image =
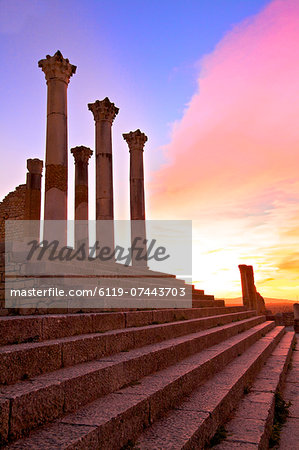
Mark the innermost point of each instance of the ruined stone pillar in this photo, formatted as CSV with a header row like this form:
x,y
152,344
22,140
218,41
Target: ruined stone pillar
x,y
33,197
81,156
33,189
136,140
245,293
104,112
251,298
58,72
251,288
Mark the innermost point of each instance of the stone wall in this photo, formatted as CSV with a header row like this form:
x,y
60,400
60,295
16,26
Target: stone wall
x,y
3,311
285,318
12,207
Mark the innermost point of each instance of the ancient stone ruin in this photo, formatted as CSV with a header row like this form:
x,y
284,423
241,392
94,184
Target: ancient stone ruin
x,y
251,298
151,378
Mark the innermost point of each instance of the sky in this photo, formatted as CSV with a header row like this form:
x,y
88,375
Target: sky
x,y
213,84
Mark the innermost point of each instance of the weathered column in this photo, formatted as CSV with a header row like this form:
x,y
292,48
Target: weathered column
x,y
81,156
58,72
33,189
104,112
136,140
33,197
248,287
245,293
251,288
260,303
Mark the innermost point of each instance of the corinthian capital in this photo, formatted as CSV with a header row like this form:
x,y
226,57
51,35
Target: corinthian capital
x,y
57,67
81,154
103,110
135,140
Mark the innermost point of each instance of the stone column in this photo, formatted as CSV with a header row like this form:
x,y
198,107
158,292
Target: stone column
x,y
251,288
58,72
104,112
245,294
33,196
81,156
136,140
33,189
248,286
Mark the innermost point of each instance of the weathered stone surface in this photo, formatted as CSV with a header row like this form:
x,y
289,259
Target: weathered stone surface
x,y
32,359
66,325
60,436
103,110
168,439
14,330
33,192
32,405
4,420
229,444
75,386
127,415
108,321
248,431
251,298
57,66
289,436
136,140
28,360
12,207
212,403
58,72
291,393
104,113
81,156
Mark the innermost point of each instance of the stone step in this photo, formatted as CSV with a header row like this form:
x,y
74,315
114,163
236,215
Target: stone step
x,y
112,421
37,328
252,420
198,291
196,420
31,359
196,296
289,436
46,397
207,303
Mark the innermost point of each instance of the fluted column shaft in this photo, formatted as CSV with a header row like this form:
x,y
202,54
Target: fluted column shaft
x,y
136,140
58,72
104,112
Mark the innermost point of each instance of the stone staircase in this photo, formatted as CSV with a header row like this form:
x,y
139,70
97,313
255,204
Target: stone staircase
x,y
202,300
151,379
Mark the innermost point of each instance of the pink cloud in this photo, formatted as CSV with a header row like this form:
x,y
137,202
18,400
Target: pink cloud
x,y
239,134
232,162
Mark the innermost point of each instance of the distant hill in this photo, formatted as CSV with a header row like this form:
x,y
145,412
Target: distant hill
x,y
239,301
